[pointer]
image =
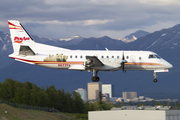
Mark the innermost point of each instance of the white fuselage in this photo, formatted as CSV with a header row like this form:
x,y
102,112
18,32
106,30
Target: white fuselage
x,y
75,59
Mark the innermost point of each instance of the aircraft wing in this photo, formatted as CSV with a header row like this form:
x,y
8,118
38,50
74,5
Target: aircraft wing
x,y
93,61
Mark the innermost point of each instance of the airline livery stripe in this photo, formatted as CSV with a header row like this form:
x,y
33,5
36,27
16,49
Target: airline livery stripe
x,y
58,62
17,28
54,62
148,64
47,62
12,26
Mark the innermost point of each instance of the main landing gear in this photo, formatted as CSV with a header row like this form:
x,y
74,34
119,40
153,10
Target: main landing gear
x,y
155,76
95,78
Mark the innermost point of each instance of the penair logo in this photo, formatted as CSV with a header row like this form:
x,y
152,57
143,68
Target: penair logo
x,y
20,39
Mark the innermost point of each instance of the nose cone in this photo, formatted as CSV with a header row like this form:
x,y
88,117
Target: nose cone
x,y
168,65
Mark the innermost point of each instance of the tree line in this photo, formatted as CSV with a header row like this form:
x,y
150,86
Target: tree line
x,y
30,94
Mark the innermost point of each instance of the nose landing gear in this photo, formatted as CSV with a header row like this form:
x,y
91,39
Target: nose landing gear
x,y
155,80
155,76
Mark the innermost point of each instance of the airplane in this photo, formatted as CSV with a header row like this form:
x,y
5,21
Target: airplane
x,y
28,51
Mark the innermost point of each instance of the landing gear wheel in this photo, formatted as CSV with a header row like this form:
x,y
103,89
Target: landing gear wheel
x,y
155,80
95,79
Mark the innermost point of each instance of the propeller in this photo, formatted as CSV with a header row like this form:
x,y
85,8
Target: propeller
x,y
123,62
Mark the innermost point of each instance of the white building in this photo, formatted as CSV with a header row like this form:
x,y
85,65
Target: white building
x,y
107,88
82,92
135,115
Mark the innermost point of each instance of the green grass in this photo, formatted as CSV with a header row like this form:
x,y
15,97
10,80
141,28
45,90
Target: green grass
x,y
78,116
23,114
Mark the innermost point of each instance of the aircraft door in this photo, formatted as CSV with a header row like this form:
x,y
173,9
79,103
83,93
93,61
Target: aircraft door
x,y
132,60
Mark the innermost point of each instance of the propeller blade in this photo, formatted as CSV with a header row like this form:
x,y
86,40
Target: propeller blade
x,y
123,61
123,56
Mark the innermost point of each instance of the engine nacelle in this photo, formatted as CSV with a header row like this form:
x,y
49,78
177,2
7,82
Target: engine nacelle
x,y
113,62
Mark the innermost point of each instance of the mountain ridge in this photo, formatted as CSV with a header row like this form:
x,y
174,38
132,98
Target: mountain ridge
x,y
165,42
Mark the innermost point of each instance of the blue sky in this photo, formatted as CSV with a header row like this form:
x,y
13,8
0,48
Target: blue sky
x,y
90,18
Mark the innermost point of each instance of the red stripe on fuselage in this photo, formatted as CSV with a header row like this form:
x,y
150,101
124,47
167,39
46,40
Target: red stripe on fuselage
x,y
48,62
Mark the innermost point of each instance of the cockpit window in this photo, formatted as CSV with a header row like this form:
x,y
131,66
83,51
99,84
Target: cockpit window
x,y
154,56
158,56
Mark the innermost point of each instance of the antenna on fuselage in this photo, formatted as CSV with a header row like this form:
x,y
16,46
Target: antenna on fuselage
x,y
106,49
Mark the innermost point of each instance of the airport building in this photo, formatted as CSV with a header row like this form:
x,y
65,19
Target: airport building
x,y
107,89
134,115
129,95
93,90
83,94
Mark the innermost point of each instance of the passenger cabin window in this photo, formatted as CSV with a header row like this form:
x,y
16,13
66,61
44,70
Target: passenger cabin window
x,y
107,57
71,56
139,58
81,56
102,56
76,56
112,56
127,57
117,56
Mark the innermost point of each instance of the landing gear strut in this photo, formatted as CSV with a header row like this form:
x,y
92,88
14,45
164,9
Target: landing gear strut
x,y
95,78
155,76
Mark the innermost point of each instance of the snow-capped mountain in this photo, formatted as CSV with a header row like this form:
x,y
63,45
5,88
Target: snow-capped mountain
x,y
59,42
5,42
137,34
133,36
74,40
159,40
71,38
127,40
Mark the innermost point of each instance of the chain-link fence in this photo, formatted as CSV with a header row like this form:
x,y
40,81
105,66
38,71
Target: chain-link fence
x,y
31,107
